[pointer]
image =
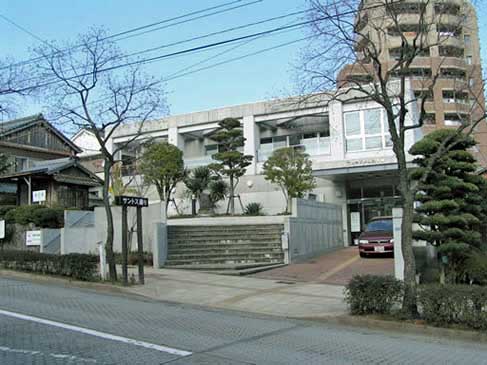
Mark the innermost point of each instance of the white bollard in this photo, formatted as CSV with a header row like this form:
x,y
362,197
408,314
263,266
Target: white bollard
x,y
398,259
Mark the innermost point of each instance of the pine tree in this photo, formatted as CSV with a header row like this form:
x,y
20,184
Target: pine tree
x,y
449,212
232,162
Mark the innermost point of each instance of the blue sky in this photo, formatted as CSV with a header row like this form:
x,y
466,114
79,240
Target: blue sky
x,y
260,77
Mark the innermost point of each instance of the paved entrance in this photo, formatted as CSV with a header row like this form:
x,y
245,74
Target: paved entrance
x,y
337,267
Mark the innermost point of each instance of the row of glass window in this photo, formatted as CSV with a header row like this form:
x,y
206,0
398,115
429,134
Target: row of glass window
x,y
366,130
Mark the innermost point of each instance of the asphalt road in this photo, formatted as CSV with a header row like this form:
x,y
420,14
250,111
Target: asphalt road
x,y
47,324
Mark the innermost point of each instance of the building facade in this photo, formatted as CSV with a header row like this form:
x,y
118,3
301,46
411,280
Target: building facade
x,y
446,39
347,141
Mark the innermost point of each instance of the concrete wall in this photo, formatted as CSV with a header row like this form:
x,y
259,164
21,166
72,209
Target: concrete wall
x,y
314,228
150,215
51,241
79,240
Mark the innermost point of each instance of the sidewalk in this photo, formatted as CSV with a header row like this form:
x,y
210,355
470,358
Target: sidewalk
x,y
262,296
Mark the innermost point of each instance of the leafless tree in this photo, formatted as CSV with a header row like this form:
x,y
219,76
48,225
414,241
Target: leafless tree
x,y
376,50
12,85
87,87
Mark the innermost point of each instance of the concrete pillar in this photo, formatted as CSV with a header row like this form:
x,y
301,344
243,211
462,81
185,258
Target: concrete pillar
x,y
251,135
174,137
398,258
337,130
159,245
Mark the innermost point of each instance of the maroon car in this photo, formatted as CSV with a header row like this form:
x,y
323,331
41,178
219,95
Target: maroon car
x,y
377,238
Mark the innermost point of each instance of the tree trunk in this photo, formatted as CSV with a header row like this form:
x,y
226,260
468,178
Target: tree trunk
x,y
112,269
232,195
409,304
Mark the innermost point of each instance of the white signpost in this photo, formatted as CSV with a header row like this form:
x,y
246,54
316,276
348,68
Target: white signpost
x,y
38,196
2,229
33,238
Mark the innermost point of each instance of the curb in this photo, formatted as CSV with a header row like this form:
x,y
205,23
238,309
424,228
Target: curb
x,y
404,327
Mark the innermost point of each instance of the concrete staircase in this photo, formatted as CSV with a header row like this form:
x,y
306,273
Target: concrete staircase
x,y
230,249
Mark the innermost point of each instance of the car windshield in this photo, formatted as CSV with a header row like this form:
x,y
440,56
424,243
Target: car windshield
x,y
380,225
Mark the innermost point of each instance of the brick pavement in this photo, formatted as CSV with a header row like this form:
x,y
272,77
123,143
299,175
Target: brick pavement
x,y
336,268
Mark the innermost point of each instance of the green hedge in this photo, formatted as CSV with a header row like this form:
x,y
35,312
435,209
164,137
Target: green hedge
x,y
133,258
444,305
371,294
77,266
41,216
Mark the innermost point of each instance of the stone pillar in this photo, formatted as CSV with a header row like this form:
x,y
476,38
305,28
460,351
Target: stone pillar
x,y
251,135
398,258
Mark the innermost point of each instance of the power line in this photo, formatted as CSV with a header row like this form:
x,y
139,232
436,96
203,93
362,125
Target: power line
x,y
21,63
186,51
23,29
208,35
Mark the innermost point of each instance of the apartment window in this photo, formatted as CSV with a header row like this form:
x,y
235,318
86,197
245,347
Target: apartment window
x,y
452,73
408,53
467,40
450,51
468,60
407,29
447,9
454,120
452,96
416,72
365,130
423,94
447,30
407,8
429,118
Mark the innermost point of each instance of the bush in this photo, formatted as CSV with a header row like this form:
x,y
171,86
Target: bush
x,y
133,258
371,294
476,268
253,209
41,216
76,266
444,305
22,214
48,217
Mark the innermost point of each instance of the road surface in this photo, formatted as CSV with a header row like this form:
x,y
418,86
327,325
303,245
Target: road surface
x,y
49,324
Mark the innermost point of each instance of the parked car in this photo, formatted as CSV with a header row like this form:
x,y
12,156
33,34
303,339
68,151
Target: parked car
x,y
377,238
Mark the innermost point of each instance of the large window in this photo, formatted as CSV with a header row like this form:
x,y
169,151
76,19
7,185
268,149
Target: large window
x,y
365,130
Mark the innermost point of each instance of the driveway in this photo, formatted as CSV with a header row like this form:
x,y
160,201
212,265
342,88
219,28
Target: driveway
x,y
336,267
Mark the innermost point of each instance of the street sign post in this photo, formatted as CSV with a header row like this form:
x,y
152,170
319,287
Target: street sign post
x,y
139,203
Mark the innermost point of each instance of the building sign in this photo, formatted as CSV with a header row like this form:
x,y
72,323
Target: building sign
x,y
2,229
33,238
355,221
131,201
38,196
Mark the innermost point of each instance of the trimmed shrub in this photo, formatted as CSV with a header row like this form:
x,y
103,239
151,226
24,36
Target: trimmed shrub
x,y
76,266
48,217
253,209
22,215
444,305
41,216
372,294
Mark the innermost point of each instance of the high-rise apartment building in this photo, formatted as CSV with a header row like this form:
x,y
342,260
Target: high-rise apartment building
x,y
446,68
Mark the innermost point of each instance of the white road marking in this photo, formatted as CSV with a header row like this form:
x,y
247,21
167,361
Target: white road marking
x,y
95,333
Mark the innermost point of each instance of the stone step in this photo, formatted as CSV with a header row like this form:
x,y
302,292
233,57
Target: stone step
x,y
235,227
224,256
224,249
222,267
224,242
212,261
224,237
